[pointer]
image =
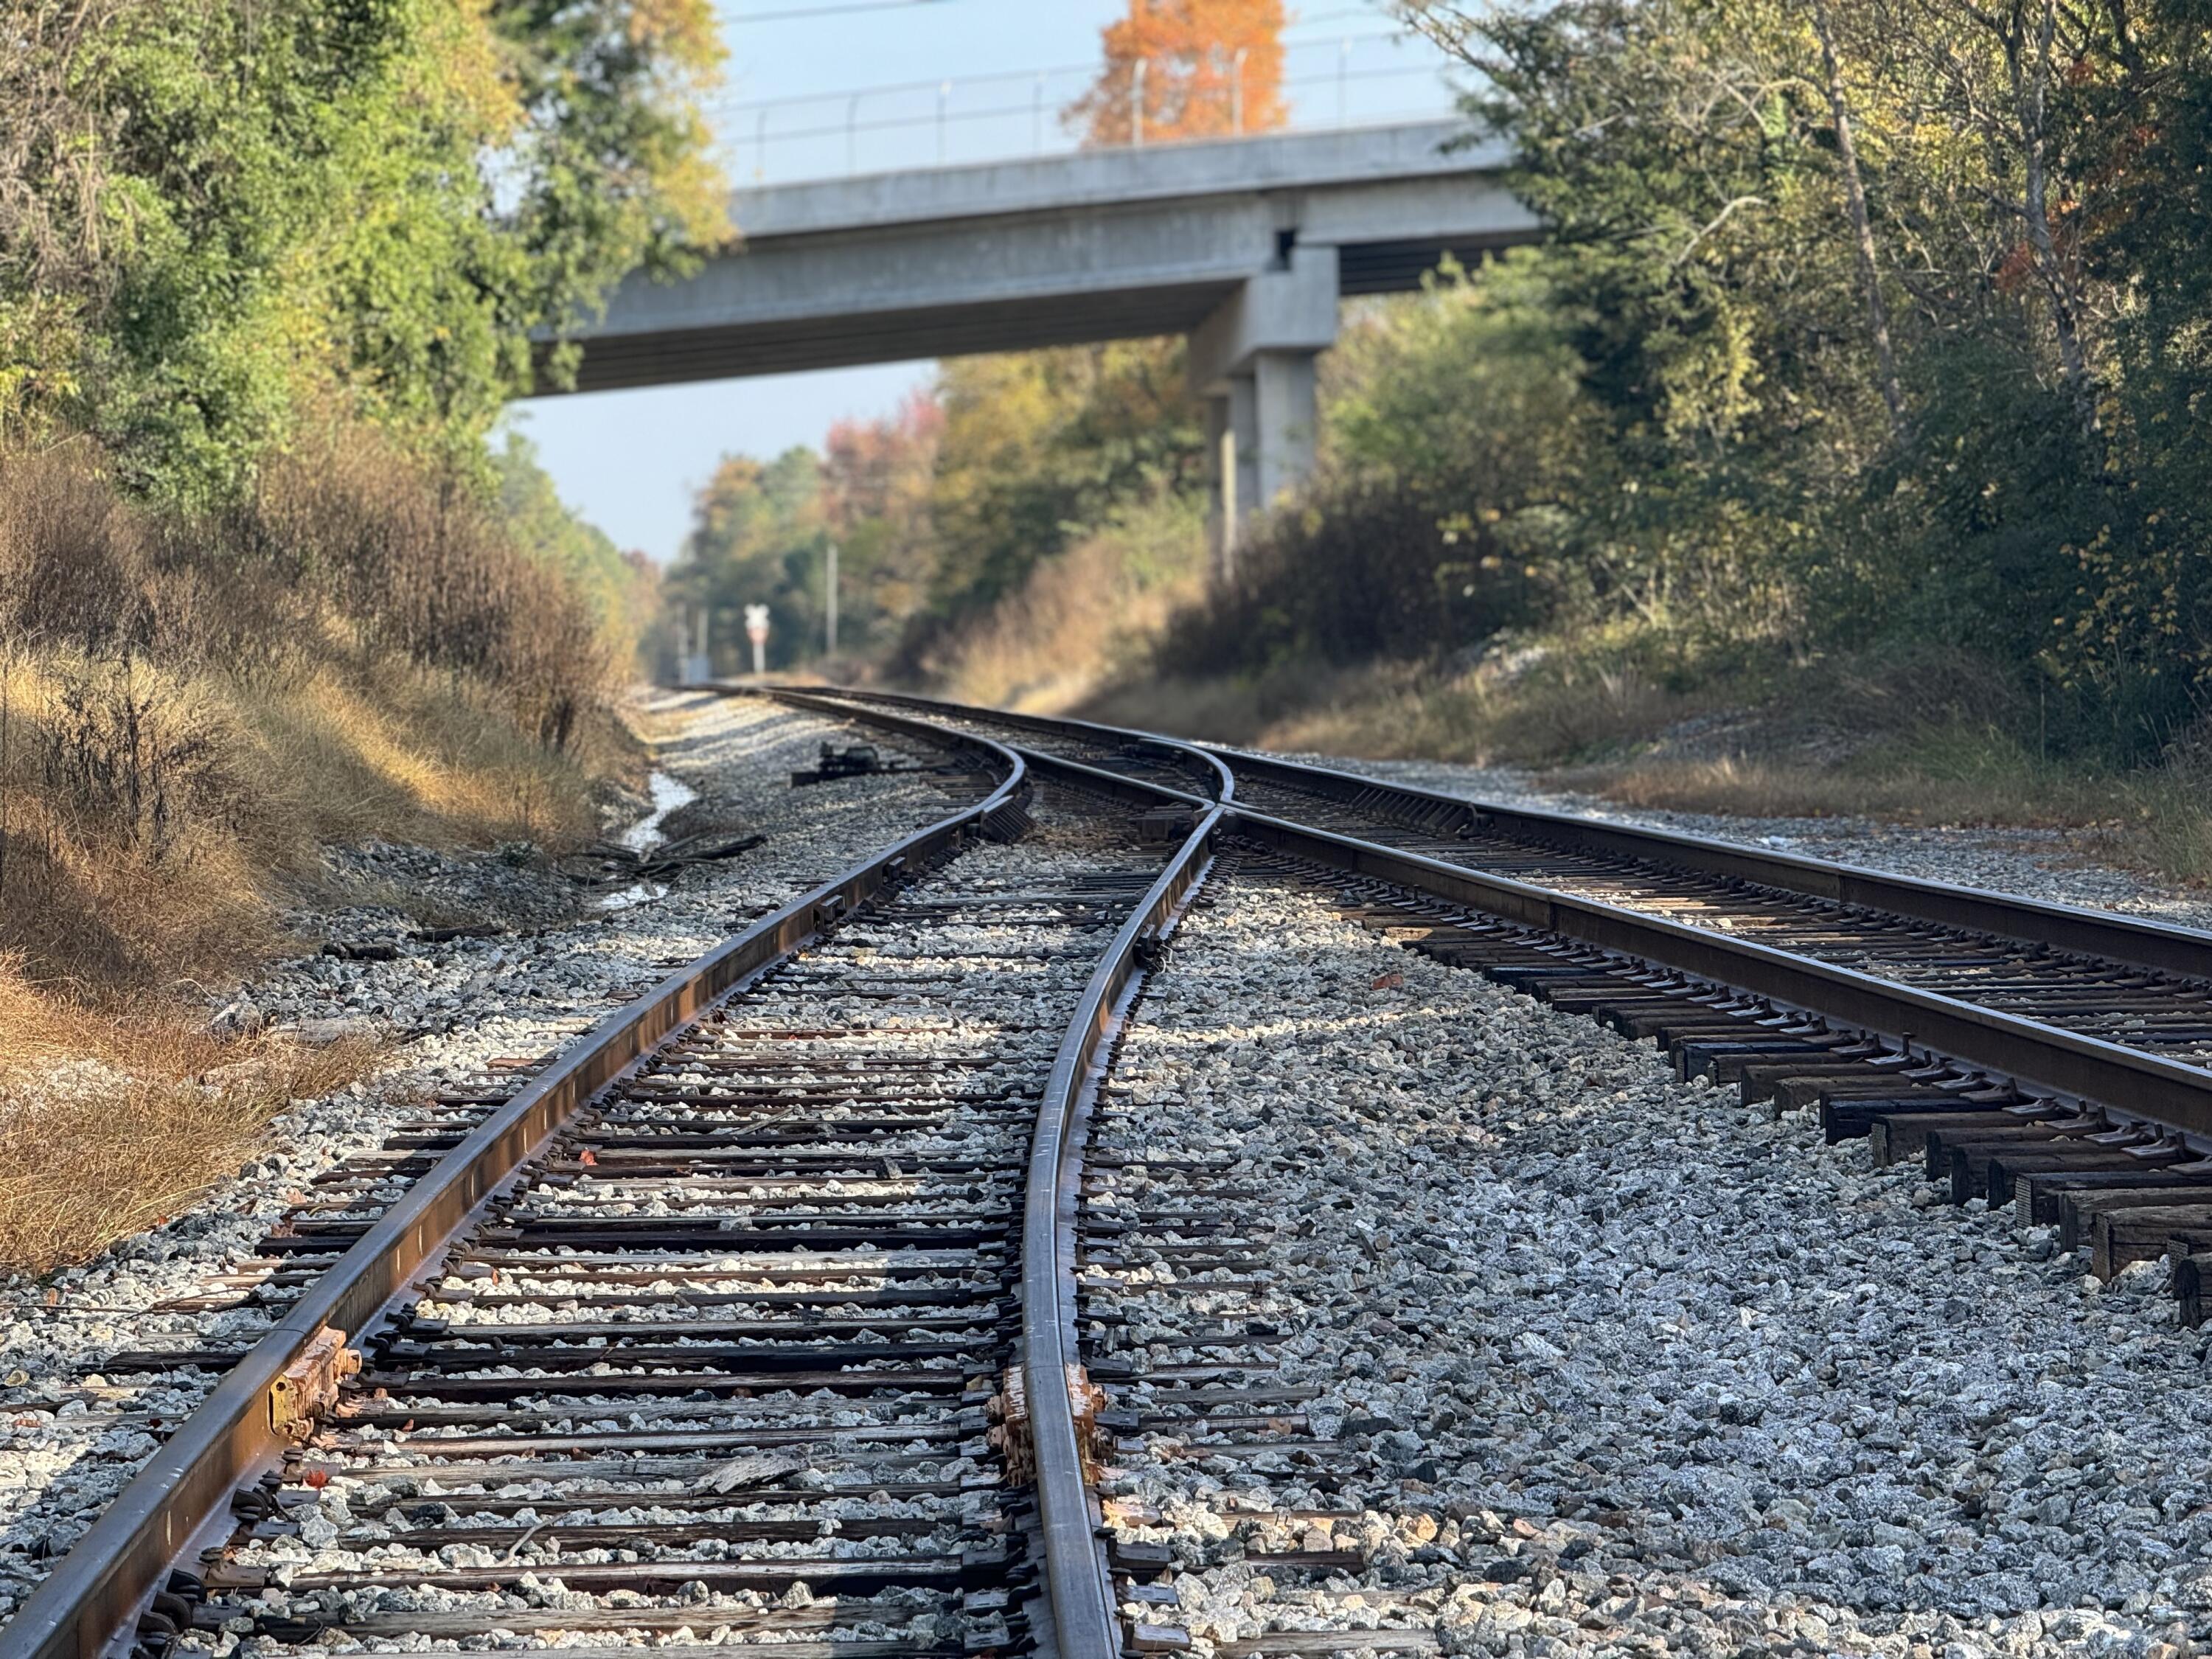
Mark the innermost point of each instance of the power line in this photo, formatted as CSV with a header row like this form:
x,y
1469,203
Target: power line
x,y
1303,22
799,14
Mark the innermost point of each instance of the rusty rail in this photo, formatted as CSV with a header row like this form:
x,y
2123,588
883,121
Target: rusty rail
x,y
245,1425
2174,949
2128,1083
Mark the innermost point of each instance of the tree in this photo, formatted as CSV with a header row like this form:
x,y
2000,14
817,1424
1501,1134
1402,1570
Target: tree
x,y
1209,67
621,588
1042,446
877,479
222,224
758,537
612,157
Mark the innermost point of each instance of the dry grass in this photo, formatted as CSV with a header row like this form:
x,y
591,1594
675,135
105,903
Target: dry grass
x,y
188,705
1399,711
2157,822
1269,709
1908,741
1084,617
1402,713
273,768
148,1110
118,939
1743,787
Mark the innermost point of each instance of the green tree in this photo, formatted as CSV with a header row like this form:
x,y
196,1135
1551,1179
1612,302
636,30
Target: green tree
x,y
621,589
758,536
1041,446
223,224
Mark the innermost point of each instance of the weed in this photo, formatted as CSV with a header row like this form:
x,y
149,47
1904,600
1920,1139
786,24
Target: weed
x,y
147,1114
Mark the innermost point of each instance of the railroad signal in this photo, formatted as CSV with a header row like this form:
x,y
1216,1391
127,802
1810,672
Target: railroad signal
x,y
756,631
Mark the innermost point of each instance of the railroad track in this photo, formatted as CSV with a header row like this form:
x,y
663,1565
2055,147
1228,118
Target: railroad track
x,y
763,1314
749,1314
2020,1052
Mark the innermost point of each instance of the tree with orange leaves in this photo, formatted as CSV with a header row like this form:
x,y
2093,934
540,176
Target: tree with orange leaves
x,y
1200,69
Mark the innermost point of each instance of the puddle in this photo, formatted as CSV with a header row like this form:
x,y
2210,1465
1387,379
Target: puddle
x,y
667,794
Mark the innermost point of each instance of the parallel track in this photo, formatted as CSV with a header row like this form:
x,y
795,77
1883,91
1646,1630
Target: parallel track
x,y
2023,1052
2122,986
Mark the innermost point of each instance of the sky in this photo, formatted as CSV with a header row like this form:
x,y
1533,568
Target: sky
x,y
631,461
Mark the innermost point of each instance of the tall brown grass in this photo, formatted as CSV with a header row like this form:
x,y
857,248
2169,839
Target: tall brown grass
x,y
162,1110
189,705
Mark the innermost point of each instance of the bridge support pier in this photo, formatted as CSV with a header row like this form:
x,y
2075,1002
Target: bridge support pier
x,y
1255,361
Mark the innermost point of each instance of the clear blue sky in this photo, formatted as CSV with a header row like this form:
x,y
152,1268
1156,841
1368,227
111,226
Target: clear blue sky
x,y
631,461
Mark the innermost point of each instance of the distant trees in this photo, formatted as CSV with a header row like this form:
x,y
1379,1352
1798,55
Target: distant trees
x,y
878,478
944,508
1200,69
760,532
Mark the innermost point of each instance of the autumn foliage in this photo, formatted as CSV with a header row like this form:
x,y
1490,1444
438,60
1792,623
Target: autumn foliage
x,y
1211,68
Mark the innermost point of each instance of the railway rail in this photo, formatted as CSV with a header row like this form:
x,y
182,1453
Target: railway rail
x,y
751,1312
2021,1052
757,1313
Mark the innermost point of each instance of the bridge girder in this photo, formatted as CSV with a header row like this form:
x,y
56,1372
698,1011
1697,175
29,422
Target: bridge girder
x,y
1245,245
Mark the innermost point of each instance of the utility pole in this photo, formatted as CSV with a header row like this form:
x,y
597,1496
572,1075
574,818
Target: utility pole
x,y
831,607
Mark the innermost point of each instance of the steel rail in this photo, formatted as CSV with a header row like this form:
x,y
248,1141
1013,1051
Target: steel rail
x,y
2124,1081
1077,1577
2169,949
826,698
1078,1581
104,1583
2127,1082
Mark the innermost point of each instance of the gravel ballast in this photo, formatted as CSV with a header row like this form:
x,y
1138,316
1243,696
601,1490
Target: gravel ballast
x,y
558,1480
463,1013
1541,1351
1601,1362
2043,863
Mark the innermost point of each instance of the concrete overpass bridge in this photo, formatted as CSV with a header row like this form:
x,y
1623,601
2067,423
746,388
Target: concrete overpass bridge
x,y
1246,244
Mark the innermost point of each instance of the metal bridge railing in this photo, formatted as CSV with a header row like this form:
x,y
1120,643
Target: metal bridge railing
x,y
948,122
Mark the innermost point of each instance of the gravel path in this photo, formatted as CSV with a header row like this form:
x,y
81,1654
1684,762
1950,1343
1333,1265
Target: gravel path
x,y
68,1440
2041,864
1600,1363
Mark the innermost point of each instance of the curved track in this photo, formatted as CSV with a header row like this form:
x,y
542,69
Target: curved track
x,y
756,1311
752,1311
2023,1051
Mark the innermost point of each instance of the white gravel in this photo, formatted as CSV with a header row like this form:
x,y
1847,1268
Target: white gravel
x,y
68,1440
1616,1365
2050,865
